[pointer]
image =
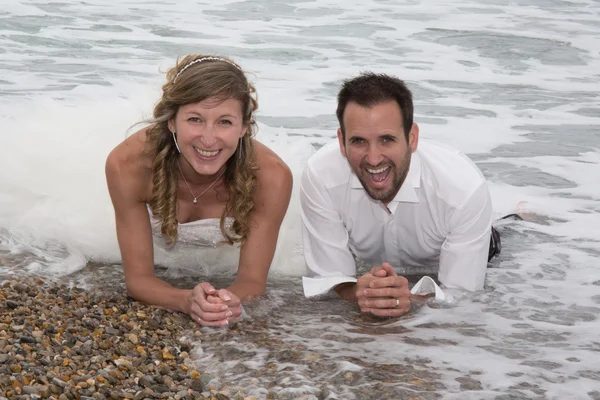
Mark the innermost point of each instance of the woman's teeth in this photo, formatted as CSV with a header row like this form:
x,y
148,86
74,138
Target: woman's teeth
x,y
206,153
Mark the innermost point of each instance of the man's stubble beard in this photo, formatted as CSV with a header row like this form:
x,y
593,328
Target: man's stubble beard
x,y
398,177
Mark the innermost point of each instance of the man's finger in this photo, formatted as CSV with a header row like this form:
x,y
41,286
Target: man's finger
x,y
389,270
387,302
378,272
390,281
395,292
389,312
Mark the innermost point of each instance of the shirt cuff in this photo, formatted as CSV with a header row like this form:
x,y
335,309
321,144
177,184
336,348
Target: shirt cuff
x,y
322,285
427,286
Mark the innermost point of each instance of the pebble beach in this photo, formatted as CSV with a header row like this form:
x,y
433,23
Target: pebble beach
x,y
64,342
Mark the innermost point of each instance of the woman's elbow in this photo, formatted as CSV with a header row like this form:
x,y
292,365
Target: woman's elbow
x,y
134,289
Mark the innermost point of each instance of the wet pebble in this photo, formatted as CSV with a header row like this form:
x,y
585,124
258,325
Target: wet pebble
x,y
467,384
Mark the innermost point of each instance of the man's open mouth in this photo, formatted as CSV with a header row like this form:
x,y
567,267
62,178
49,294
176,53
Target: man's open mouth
x,y
379,174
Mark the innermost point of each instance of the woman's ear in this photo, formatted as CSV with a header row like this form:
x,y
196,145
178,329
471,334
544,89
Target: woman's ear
x,y
245,128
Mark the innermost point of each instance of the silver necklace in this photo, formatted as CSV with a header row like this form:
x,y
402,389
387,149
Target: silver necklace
x,y
195,201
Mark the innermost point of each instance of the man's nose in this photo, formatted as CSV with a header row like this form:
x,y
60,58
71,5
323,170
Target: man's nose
x,y
374,156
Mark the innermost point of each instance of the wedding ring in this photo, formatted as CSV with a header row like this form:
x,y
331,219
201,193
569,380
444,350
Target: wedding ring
x,y
397,303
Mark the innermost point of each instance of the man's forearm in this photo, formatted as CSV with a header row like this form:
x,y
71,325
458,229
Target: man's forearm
x,y
347,291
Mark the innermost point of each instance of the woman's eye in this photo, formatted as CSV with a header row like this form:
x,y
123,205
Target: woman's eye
x,y
226,122
194,119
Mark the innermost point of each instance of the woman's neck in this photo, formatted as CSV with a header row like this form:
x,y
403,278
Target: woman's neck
x,y
195,179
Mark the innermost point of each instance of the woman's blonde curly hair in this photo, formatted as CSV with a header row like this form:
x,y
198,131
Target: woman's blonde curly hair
x,y
191,83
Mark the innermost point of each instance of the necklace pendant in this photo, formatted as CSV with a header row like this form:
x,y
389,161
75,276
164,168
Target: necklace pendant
x,y
195,201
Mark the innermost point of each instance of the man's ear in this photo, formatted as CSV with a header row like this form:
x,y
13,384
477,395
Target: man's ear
x,y
341,141
413,138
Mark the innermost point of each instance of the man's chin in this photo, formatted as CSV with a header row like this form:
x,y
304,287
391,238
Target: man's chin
x,y
377,193
382,194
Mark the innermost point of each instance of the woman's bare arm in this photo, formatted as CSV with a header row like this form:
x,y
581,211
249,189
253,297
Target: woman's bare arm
x,y
127,186
271,203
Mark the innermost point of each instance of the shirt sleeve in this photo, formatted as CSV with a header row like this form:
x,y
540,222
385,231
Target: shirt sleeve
x,y
329,261
464,253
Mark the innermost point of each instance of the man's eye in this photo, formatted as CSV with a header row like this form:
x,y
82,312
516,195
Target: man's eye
x,y
388,139
357,141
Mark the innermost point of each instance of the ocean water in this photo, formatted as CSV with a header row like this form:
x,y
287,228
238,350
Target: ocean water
x,y
514,84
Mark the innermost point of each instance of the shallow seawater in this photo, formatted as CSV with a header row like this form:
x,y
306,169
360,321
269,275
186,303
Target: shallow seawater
x,y
515,85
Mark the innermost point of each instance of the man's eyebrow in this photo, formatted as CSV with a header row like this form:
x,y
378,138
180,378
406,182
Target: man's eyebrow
x,y
355,137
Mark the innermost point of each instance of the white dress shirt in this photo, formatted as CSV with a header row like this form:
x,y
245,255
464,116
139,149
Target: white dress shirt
x,y
442,215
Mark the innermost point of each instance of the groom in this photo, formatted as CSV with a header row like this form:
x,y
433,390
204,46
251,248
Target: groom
x,y
381,195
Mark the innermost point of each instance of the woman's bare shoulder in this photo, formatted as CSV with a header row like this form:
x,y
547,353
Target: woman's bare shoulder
x,y
273,172
130,150
128,165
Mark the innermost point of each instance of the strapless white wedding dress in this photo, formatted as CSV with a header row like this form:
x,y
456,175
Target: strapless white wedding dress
x,y
201,247
200,233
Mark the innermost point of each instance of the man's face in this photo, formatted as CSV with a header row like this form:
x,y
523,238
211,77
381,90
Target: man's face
x,y
376,148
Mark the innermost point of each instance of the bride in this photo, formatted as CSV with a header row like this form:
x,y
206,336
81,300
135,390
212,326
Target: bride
x,y
197,167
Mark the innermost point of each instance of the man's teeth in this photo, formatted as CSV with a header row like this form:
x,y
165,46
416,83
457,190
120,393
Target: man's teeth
x,y
377,171
206,153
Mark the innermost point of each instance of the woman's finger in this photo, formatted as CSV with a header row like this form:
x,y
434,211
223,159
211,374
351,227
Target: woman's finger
x,y
214,299
202,322
208,288
214,316
200,302
225,295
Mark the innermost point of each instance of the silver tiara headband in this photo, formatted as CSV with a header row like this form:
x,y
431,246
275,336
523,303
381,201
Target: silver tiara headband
x,y
199,60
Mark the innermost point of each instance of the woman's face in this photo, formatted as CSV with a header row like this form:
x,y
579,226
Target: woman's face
x,y
209,132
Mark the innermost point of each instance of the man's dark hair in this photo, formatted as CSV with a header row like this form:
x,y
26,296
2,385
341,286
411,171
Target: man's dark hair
x,y
369,89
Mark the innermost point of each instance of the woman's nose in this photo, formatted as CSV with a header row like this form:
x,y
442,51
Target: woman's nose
x,y
208,137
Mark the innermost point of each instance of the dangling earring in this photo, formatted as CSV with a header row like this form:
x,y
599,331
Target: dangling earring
x,y
175,140
241,148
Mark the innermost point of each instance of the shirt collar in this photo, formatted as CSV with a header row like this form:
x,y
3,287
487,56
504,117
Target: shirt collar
x,y
407,193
